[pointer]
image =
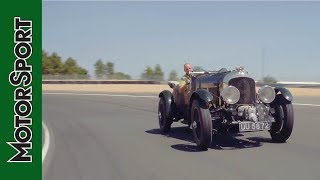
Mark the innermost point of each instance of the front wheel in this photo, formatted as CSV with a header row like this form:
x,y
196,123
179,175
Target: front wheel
x,y
164,121
284,117
201,124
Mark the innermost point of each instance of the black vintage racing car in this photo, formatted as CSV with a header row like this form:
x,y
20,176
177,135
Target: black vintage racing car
x,y
226,101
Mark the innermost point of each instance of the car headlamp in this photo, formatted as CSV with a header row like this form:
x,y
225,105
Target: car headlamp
x,y
266,94
230,94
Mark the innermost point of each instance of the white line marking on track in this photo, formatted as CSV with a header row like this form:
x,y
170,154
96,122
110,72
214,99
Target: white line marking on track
x,y
137,96
299,104
45,147
110,95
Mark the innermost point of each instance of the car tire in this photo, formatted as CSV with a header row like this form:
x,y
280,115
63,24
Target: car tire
x,y
284,116
164,121
201,124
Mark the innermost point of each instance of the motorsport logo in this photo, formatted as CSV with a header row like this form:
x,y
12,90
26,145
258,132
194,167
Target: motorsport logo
x,y
21,78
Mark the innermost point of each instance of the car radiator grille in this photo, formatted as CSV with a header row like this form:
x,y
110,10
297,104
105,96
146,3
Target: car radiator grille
x,y
247,88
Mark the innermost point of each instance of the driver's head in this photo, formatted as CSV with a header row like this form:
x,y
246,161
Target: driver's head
x,y
187,68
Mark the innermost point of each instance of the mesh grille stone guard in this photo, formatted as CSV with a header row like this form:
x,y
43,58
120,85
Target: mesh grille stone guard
x,y
247,88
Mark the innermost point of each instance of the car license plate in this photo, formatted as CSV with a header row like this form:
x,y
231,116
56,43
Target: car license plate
x,y
254,126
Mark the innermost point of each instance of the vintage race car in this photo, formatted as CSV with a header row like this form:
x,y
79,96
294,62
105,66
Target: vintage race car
x,y
226,101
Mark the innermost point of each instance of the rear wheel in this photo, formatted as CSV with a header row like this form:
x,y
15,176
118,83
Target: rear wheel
x,y
201,124
164,121
284,117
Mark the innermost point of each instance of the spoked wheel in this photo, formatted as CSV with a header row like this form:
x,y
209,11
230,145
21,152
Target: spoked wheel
x,y
284,117
164,121
201,124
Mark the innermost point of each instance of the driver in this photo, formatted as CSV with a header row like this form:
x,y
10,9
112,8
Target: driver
x,y
185,80
183,85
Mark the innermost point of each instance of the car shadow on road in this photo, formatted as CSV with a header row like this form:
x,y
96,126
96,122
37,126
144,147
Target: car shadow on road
x,y
220,142
261,139
181,133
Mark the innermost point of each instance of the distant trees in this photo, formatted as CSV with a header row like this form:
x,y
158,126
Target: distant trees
x,y
269,79
110,68
53,65
100,70
153,74
120,76
173,76
158,74
147,74
106,70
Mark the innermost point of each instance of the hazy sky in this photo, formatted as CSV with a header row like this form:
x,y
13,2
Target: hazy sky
x,y
210,34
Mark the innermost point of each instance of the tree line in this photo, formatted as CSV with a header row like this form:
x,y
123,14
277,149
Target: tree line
x,y
106,71
54,67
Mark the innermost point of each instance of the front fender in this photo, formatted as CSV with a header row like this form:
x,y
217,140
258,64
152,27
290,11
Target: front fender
x,y
284,92
202,94
167,96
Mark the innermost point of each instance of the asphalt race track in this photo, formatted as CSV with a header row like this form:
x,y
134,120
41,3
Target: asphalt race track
x,y
116,138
